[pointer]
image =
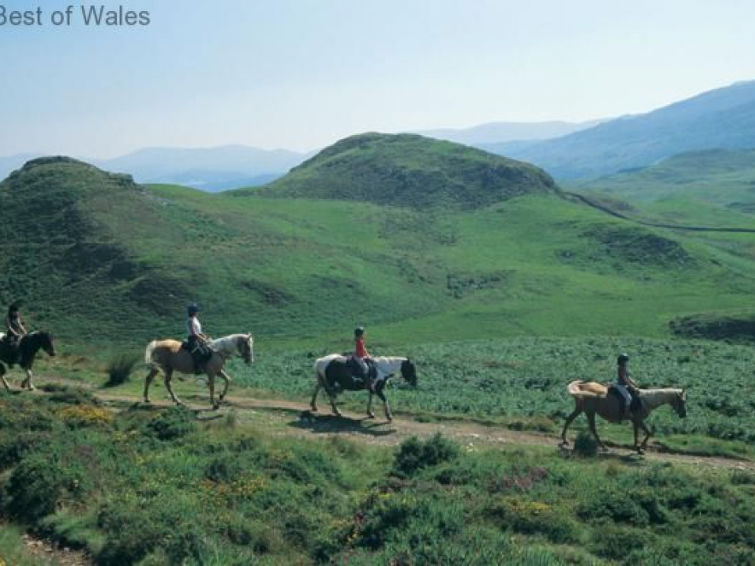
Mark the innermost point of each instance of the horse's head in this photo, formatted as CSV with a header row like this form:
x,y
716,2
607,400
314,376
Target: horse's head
x,y
47,343
38,339
679,403
409,372
245,346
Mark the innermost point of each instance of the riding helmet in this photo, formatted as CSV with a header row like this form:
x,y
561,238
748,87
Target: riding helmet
x,y
359,331
623,358
192,309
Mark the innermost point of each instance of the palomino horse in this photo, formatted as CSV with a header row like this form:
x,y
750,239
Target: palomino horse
x,y
28,347
334,375
168,356
592,398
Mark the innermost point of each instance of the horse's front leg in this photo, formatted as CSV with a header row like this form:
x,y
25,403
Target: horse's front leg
x,y
26,383
169,387
575,413
370,414
227,382
147,382
386,406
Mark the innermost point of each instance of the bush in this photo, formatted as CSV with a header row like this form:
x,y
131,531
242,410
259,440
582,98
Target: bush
x,y
38,484
70,395
585,445
534,517
119,369
413,454
172,423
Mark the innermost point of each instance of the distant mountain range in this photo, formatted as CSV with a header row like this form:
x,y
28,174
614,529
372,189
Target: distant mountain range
x,y
718,119
498,132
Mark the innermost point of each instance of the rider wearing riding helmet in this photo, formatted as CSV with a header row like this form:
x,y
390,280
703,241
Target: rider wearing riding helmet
x,y
361,355
197,341
625,385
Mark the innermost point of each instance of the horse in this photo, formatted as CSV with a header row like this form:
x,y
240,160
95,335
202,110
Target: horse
x,y
592,398
28,347
168,356
333,373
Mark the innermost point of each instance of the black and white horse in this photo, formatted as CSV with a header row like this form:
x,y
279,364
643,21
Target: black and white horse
x,y
334,373
28,347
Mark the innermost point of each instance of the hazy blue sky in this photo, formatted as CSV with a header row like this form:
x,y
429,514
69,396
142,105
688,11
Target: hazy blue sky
x,y
301,74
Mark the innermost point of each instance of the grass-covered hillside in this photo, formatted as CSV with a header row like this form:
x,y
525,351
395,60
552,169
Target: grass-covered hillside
x,y
96,257
141,485
716,187
410,170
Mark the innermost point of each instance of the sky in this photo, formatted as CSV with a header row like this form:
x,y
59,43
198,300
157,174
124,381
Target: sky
x,y
301,74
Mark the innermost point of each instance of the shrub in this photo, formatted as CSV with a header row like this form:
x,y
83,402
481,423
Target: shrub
x,y
413,454
77,416
119,369
620,506
585,445
70,395
38,483
172,423
534,517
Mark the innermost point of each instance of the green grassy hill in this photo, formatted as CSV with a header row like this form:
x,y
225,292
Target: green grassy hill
x,y
703,180
410,170
96,257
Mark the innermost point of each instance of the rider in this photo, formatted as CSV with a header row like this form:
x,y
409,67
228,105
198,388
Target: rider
x,y
197,341
15,330
626,386
362,356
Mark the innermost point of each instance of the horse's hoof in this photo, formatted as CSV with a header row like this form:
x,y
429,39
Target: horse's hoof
x,y
314,408
370,415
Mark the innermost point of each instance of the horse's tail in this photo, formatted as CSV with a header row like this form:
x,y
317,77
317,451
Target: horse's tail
x,y
575,390
148,353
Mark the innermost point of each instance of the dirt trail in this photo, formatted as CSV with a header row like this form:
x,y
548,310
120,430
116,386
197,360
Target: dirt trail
x,y
46,552
304,423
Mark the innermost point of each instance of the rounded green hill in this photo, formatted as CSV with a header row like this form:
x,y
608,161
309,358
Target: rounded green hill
x,y
409,170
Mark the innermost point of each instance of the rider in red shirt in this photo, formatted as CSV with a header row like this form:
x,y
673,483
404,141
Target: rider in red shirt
x,y
361,355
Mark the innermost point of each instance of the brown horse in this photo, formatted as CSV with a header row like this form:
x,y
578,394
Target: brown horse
x,y
592,398
168,356
28,347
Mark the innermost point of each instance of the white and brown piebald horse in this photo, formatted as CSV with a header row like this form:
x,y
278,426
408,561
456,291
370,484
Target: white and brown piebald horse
x,y
593,398
168,356
334,374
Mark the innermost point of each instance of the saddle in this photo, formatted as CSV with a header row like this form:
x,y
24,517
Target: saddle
x,y
357,370
634,399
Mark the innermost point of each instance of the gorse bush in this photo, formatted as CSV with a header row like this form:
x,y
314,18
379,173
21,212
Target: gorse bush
x,y
414,454
119,369
172,423
38,483
585,444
